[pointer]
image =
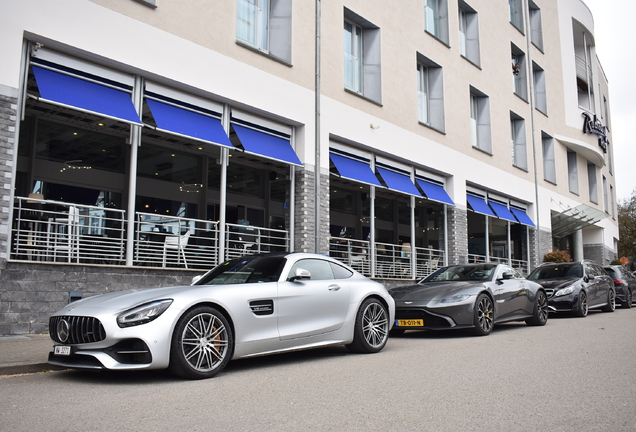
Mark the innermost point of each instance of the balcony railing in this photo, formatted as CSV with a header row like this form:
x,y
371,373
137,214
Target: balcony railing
x,y
390,261
521,266
58,232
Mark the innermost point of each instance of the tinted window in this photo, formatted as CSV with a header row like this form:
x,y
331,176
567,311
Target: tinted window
x,y
339,272
610,271
319,269
463,273
246,270
557,271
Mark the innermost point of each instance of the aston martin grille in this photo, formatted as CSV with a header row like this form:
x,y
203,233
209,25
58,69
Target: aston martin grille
x,y
77,330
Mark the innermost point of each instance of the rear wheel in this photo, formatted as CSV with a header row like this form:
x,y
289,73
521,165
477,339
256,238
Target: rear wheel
x,y
371,329
611,301
582,309
202,344
484,316
540,310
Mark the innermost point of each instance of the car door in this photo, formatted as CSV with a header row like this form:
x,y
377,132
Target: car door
x,y
314,306
510,293
596,290
605,282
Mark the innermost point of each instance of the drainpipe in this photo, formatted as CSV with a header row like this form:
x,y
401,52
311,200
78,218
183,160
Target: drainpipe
x,y
135,142
317,156
225,152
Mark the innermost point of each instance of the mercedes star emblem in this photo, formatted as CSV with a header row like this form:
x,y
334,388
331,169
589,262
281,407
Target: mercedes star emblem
x,y
63,330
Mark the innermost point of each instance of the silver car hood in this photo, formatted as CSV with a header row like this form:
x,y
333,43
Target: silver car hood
x,y
122,300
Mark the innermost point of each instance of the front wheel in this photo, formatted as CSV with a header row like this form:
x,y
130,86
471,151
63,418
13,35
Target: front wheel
x,y
540,310
611,301
202,344
371,329
484,316
628,299
582,309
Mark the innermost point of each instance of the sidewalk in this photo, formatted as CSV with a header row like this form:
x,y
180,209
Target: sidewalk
x,y
21,354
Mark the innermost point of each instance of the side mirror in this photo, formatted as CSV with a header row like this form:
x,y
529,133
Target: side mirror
x,y
507,276
300,274
196,279
586,278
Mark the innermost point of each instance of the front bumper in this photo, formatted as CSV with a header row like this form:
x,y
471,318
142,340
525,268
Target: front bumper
x,y
450,317
566,303
126,354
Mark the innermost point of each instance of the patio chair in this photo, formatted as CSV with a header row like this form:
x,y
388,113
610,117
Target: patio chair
x,y
178,243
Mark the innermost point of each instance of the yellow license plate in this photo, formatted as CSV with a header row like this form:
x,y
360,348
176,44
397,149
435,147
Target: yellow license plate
x,y
410,323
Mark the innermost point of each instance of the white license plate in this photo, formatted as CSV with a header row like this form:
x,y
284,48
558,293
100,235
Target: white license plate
x,y
62,350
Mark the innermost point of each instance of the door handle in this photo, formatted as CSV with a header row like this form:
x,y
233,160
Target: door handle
x,y
334,287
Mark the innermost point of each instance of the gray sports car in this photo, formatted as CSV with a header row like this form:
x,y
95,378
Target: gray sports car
x,y
474,296
254,305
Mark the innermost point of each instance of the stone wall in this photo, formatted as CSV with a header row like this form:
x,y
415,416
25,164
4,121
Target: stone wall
x,y
457,222
304,222
29,293
8,119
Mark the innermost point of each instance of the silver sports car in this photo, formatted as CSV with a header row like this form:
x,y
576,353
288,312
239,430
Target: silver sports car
x,y
254,305
474,296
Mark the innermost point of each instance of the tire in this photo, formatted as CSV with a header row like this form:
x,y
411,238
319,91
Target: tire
x,y
628,301
539,311
611,301
202,344
371,330
583,308
483,316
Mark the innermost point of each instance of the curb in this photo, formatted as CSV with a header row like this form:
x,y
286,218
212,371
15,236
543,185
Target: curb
x,y
29,369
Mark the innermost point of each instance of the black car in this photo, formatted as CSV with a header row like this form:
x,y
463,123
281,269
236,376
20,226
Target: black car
x,y
472,296
624,283
576,287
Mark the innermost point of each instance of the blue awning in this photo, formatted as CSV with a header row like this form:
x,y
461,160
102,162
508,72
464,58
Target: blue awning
x,y
435,192
502,211
266,145
398,182
76,93
354,170
522,217
183,122
479,205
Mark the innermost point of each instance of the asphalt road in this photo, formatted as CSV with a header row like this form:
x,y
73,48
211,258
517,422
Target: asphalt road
x,y
574,374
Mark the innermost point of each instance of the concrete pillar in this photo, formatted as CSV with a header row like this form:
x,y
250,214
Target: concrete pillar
x,y
577,246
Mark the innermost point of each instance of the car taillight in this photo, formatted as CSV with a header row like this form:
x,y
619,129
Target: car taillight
x,y
619,281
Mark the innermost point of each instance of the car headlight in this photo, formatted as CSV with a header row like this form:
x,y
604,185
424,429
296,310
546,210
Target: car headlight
x,y
143,314
455,298
564,291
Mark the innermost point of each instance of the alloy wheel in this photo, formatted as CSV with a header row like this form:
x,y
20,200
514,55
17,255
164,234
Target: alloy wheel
x,y
205,342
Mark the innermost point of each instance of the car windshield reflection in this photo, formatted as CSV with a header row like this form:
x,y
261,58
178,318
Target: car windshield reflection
x,y
245,270
557,271
463,273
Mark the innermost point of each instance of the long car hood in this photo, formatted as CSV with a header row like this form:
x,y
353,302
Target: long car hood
x,y
429,291
556,283
122,300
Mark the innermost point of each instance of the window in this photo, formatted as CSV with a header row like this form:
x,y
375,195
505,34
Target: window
x,y
436,18
516,13
612,202
319,269
468,33
573,172
362,57
536,30
430,93
519,85
583,59
540,98
549,166
149,3
480,120
591,179
265,25
605,204
609,161
518,141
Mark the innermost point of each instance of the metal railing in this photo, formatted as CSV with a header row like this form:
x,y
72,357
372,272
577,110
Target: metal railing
x,y
53,231
521,266
58,232
390,261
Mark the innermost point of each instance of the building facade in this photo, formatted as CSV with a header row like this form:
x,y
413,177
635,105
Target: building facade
x,y
144,137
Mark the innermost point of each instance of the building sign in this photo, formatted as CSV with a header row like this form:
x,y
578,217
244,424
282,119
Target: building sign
x,y
594,126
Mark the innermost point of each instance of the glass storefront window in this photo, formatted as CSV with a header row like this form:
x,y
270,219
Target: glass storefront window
x,y
167,164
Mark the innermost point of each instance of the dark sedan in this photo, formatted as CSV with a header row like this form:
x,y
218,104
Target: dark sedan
x,y
624,283
472,296
576,287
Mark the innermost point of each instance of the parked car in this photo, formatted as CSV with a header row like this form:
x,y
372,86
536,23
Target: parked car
x,y
624,283
473,296
576,287
253,305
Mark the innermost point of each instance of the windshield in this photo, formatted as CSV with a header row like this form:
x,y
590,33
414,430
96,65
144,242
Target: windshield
x,y
481,272
251,269
557,271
